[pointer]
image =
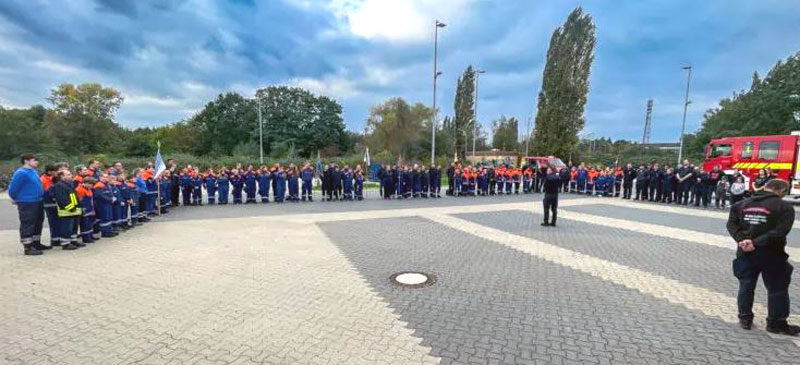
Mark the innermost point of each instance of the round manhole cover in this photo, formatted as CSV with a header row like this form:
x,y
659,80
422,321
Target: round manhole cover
x,y
412,279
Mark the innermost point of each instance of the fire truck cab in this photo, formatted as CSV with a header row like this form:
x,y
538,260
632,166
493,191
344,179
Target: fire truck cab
x,y
539,162
779,153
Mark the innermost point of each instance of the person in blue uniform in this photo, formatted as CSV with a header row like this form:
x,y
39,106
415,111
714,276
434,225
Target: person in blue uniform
x,y
358,176
307,176
264,177
210,181
133,202
197,188
223,185
291,181
250,179
436,181
347,183
279,179
667,185
186,187
237,182
166,187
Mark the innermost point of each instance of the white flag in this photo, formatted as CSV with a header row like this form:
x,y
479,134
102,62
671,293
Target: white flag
x,y
160,166
366,158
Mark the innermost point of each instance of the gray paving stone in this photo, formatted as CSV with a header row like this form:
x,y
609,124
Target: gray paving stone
x,y
705,266
556,307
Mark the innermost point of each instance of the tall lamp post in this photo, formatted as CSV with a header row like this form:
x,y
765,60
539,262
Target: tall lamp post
x,y
475,126
436,74
685,107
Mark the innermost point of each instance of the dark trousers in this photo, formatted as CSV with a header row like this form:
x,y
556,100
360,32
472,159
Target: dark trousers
x,y
653,192
550,202
776,274
641,192
683,193
50,213
31,219
626,190
187,195
306,190
174,193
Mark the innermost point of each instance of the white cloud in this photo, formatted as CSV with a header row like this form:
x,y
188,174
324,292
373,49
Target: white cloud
x,y
393,20
139,100
335,87
56,67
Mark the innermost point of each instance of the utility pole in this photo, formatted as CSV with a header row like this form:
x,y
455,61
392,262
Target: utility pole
x,y
685,107
436,74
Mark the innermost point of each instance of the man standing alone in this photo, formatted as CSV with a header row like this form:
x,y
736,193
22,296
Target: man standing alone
x,y
551,185
26,192
759,226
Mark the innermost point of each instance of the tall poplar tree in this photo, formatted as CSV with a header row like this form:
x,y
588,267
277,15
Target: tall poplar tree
x,y
464,108
565,86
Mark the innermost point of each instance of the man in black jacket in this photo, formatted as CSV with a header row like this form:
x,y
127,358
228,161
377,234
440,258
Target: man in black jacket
x,y
550,186
628,175
759,225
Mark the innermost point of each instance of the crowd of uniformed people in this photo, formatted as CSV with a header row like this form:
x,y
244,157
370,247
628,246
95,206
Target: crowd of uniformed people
x,y
87,203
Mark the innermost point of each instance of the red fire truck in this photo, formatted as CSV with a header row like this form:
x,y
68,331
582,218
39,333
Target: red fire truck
x,y
778,153
539,162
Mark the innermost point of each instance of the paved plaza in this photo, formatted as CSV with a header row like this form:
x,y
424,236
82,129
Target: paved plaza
x,y
617,282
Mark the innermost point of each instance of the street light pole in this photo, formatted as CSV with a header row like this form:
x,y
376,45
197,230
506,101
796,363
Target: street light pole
x,y
685,107
260,131
436,74
475,126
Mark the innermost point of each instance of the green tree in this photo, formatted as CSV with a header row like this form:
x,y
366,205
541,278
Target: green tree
x,y
294,116
224,123
770,106
83,117
504,133
24,130
399,128
565,86
464,108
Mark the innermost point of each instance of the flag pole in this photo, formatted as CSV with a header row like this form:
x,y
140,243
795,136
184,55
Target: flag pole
x,y
158,184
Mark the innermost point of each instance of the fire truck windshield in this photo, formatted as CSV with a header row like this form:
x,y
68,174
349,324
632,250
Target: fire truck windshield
x,y
720,150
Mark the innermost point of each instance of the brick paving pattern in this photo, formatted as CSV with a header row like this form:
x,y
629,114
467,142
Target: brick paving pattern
x,y
309,283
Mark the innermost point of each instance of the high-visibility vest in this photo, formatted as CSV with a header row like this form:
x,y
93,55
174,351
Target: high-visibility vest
x,y
71,209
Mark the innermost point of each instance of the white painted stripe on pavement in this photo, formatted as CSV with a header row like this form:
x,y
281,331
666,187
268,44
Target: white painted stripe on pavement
x,y
711,213
689,296
703,238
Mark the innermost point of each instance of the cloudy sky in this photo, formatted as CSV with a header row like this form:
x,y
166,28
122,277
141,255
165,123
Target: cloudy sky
x,y
169,57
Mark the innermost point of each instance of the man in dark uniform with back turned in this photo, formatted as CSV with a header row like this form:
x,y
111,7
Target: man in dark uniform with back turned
x,y
550,186
759,225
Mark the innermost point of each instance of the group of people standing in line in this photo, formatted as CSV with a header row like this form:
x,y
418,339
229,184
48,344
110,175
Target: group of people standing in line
x,y
252,185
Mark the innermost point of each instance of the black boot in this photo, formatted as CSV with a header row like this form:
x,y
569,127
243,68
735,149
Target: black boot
x,y
40,246
746,323
79,244
69,247
30,250
783,328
